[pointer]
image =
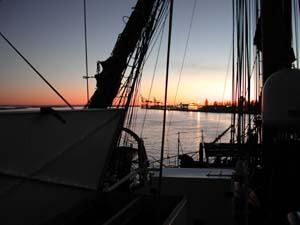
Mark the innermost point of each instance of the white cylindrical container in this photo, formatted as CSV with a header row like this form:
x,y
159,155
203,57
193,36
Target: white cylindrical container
x,y
281,100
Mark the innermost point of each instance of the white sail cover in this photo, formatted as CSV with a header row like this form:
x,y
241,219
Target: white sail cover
x,y
63,147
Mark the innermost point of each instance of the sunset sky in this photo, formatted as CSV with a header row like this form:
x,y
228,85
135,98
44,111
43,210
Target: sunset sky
x,y
50,33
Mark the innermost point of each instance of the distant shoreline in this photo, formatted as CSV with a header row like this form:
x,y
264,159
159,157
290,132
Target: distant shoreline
x,y
208,109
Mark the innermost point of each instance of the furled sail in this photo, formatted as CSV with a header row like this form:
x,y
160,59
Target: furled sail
x,y
109,79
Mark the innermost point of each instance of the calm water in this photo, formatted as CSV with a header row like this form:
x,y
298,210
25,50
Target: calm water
x,y
188,126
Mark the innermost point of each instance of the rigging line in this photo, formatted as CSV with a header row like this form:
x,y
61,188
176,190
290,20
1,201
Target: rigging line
x,y
233,73
146,37
224,90
86,54
153,76
242,47
183,61
237,71
166,96
240,63
133,114
157,14
238,52
163,13
173,156
253,66
140,63
122,91
296,16
258,73
35,70
248,57
148,34
144,44
297,31
158,24
244,68
185,49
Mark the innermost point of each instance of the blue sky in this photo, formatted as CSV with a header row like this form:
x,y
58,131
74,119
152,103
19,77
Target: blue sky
x,y
50,34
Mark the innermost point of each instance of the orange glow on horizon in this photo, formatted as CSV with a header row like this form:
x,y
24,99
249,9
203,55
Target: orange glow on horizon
x,y
42,99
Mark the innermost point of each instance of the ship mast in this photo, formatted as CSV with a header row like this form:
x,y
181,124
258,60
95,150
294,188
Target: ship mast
x,y
109,79
277,52
276,36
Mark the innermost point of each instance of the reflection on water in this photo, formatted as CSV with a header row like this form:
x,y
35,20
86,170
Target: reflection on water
x,y
185,129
